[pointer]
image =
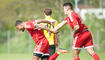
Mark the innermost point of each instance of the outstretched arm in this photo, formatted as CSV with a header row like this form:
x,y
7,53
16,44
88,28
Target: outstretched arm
x,y
41,26
76,28
45,21
55,30
60,25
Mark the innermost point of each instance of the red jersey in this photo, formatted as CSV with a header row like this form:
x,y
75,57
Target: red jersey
x,y
73,20
36,34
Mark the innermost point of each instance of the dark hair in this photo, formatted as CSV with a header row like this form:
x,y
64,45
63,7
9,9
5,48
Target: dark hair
x,y
18,22
68,4
48,11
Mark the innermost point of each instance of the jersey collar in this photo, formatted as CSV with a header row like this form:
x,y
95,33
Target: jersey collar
x,y
48,17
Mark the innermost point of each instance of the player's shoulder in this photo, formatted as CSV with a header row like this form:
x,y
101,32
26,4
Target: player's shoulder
x,y
74,13
55,20
29,24
30,21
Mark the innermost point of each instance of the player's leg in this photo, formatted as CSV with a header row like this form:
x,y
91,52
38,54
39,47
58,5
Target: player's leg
x,y
78,43
76,54
55,55
45,49
35,58
90,49
76,46
37,54
44,58
52,57
92,53
51,52
52,49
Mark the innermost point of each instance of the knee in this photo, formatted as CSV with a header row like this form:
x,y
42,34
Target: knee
x,y
91,52
76,53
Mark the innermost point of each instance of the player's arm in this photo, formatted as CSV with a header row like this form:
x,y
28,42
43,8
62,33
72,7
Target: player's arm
x,y
76,28
45,21
60,25
75,23
41,26
55,30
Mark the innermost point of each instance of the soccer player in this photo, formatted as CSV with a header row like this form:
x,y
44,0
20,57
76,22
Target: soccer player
x,y
82,36
50,36
42,46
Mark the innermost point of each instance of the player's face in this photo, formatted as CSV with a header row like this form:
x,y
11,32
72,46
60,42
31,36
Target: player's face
x,y
66,9
20,27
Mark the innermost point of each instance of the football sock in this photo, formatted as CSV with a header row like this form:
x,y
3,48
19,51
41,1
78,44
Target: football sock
x,y
54,56
95,56
76,58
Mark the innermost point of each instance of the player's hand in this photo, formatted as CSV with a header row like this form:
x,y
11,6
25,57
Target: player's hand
x,y
52,23
38,26
54,31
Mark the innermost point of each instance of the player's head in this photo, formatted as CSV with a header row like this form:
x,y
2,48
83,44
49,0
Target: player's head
x,y
47,12
19,25
67,6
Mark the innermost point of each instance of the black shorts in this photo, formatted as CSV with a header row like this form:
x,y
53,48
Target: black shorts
x,y
52,49
40,55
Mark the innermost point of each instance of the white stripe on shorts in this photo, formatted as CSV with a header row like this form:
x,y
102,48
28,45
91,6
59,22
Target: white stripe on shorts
x,y
89,47
38,52
74,42
45,55
76,48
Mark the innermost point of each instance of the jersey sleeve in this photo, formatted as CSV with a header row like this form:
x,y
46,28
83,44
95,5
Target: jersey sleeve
x,y
66,19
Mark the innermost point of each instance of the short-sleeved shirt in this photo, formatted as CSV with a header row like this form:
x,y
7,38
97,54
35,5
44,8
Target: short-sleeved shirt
x,y
73,20
48,35
36,34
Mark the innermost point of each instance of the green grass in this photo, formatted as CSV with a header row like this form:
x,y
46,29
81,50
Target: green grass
x,y
15,56
83,56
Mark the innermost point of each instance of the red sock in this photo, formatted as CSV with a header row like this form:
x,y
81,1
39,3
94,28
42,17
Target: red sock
x,y
54,56
76,58
95,56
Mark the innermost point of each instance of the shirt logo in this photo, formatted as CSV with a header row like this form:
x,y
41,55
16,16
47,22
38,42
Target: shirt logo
x,y
27,26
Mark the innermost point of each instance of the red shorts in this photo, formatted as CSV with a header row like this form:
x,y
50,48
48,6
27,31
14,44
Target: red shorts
x,y
84,39
42,48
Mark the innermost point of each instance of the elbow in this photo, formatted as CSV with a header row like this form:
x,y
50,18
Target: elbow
x,y
76,28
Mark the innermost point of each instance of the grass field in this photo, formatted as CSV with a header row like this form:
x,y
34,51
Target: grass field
x,y
83,56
